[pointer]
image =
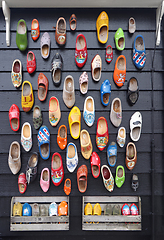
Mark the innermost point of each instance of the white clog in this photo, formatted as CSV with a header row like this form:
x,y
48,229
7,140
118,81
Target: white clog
x,y
71,157
26,137
89,111
121,137
135,126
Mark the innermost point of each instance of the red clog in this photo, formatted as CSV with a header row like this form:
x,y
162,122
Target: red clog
x,y
95,164
35,31
102,134
22,183
125,209
81,53
57,170
31,62
14,114
109,54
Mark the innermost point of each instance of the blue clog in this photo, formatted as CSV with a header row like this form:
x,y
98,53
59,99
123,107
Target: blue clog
x,y
112,154
44,142
27,210
105,92
139,52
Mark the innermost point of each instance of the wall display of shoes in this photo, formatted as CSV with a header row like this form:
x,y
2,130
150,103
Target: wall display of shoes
x,y
111,213
39,213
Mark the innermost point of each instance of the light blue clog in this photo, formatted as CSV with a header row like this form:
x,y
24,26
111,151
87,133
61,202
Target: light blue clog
x,y
112,154
105,92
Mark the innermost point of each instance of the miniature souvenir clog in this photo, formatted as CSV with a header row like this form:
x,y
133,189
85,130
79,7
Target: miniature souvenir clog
x,y
32,166
83,81
14,159
45,179
88,209
60,33
86,144
81,53
102,26
72,22
26,137
119,39
119,74
16,73
27,98
31,62
105,92
56,69
95,164
133,209
21,35
139,52
62,137
17,209
135,182
96,66
112,154
35,31
53,209
54,111
109,54
97,209
132,91
102,134
26,210
135,126
89,111
63,209
107,178
42,87
57,170
121,136
120,176
69,91
44,142
125,209
132,25
67,186
82,174
22,183
131,156
45,43
116,112
71,157
74,120
14,114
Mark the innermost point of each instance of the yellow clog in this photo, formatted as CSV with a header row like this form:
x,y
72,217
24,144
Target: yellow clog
x,y
102,25
27,99
97,209
74,120
88,209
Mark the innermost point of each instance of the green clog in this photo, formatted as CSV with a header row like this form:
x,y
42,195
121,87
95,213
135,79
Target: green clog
x,y
21,35
119,39
120,176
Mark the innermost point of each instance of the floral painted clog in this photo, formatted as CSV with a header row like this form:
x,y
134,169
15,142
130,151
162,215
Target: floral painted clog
x,y
109,54
31,62
102,134
121,136
21,35
67,186
22,183
71,157
35,31
81,53
62,137
112,154
95,164
96,66
102,26
86,144
57,170
16,73
44,142
139,52
119,39
26,137
37,117
83,81
105,91
54,111
45,179
120,176
27,98
107,178
74,120
14,114
89,111
119,74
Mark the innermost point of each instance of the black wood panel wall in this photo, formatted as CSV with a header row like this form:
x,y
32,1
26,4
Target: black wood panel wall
x,y
86,24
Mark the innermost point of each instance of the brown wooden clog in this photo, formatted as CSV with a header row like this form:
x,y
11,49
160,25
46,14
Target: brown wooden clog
x,y
131,156
42,86
72,22
60,33
82,173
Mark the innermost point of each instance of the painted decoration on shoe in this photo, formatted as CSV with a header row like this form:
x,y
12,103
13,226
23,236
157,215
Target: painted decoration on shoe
x,y
57,175
16,79
101,142
81,56
89,118
53,119
109,183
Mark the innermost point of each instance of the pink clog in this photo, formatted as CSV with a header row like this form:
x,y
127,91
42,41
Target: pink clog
x,y
45,179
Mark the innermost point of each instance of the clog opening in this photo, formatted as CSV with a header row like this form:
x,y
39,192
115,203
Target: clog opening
x,y
68,184
95,170
21,187
82,183
45,150
41,91
80,43
106,173
61,26
30,57
36,112
120,172
112,160
103,33
75,127
26,89
73,25
122,132
56,75
97,73
69,85
133,86
53,105
102,127
26,131
56,162
109,50
121,64
14,151
71,151
139,45
84,87
34,24
62,132
33,160
45,175
116,106
45,50
21,28
121,42
131,21
14,123
16,67
89,105
84,138
106,98
136,133
131,152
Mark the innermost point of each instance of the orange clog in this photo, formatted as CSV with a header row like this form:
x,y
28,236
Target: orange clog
x,y
82,173
62,137
35,32
119,74
67,186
